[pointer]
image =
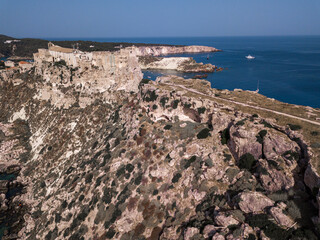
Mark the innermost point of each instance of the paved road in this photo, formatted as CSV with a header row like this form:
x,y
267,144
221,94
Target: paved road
x,y
245,105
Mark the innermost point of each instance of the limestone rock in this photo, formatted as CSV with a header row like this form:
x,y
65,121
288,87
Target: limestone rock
x,y
181,64
165,50
190,232
277,144
254,202
209,231
223,220
243,140
218,236
273,179
281,218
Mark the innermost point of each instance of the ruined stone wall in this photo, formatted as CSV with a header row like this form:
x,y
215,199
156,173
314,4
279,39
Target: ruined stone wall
x,y
92,72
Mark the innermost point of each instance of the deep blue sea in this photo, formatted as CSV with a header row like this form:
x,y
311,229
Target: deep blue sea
x,y
287,68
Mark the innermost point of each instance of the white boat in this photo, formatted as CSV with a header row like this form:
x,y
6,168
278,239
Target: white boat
x,y
250,57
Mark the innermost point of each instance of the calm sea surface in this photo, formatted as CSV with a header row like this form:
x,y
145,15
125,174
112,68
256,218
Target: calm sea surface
x,y
287,68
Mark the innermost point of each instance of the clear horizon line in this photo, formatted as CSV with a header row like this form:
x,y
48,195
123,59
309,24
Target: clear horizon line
x,y
138,37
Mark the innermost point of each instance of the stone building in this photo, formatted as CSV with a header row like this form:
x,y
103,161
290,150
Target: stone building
x,y
119,70
25,66
9,63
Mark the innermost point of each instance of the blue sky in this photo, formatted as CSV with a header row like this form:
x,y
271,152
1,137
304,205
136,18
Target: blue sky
x,y
158,18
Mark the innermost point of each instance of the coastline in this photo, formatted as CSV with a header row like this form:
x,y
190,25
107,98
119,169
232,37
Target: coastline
x,y
113,121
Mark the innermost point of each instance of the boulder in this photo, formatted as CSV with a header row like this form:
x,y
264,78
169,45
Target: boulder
x,y
281,218
275,180
209,231
190,232
243,140
218,236
222,219
277,144
254,202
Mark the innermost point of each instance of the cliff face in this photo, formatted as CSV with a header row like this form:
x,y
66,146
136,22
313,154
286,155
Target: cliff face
x,y
167,160
167,50
90,73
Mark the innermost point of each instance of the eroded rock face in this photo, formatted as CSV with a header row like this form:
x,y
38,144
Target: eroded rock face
x,y
157,164
166,50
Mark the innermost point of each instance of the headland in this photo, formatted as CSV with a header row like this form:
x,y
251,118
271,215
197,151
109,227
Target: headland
x,y
91,150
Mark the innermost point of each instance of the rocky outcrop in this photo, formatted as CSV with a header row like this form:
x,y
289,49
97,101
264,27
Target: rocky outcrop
x,y
14,151
165,162
224,220
92,73
281,218
181,64
254,202
243,139
168,50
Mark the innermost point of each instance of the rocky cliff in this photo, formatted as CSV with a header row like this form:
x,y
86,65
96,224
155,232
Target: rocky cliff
x,y
168,50
83,158
181,64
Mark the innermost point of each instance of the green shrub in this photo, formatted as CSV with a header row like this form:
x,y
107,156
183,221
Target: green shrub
x,y
261,135
129,167
294,127
151,96
189,162
293,210
266,124
227,157
176,177
225,136
89,177
252,237
247,161
231,173
167,127
60,63
174,104
163,101
204,133
271,230
201,110
144,81
187,105
279,196
241,122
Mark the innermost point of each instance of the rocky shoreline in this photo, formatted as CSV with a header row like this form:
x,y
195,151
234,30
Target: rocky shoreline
x,y
181,64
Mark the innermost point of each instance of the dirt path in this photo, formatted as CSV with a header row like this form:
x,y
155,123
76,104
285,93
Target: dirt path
x,y
244,104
